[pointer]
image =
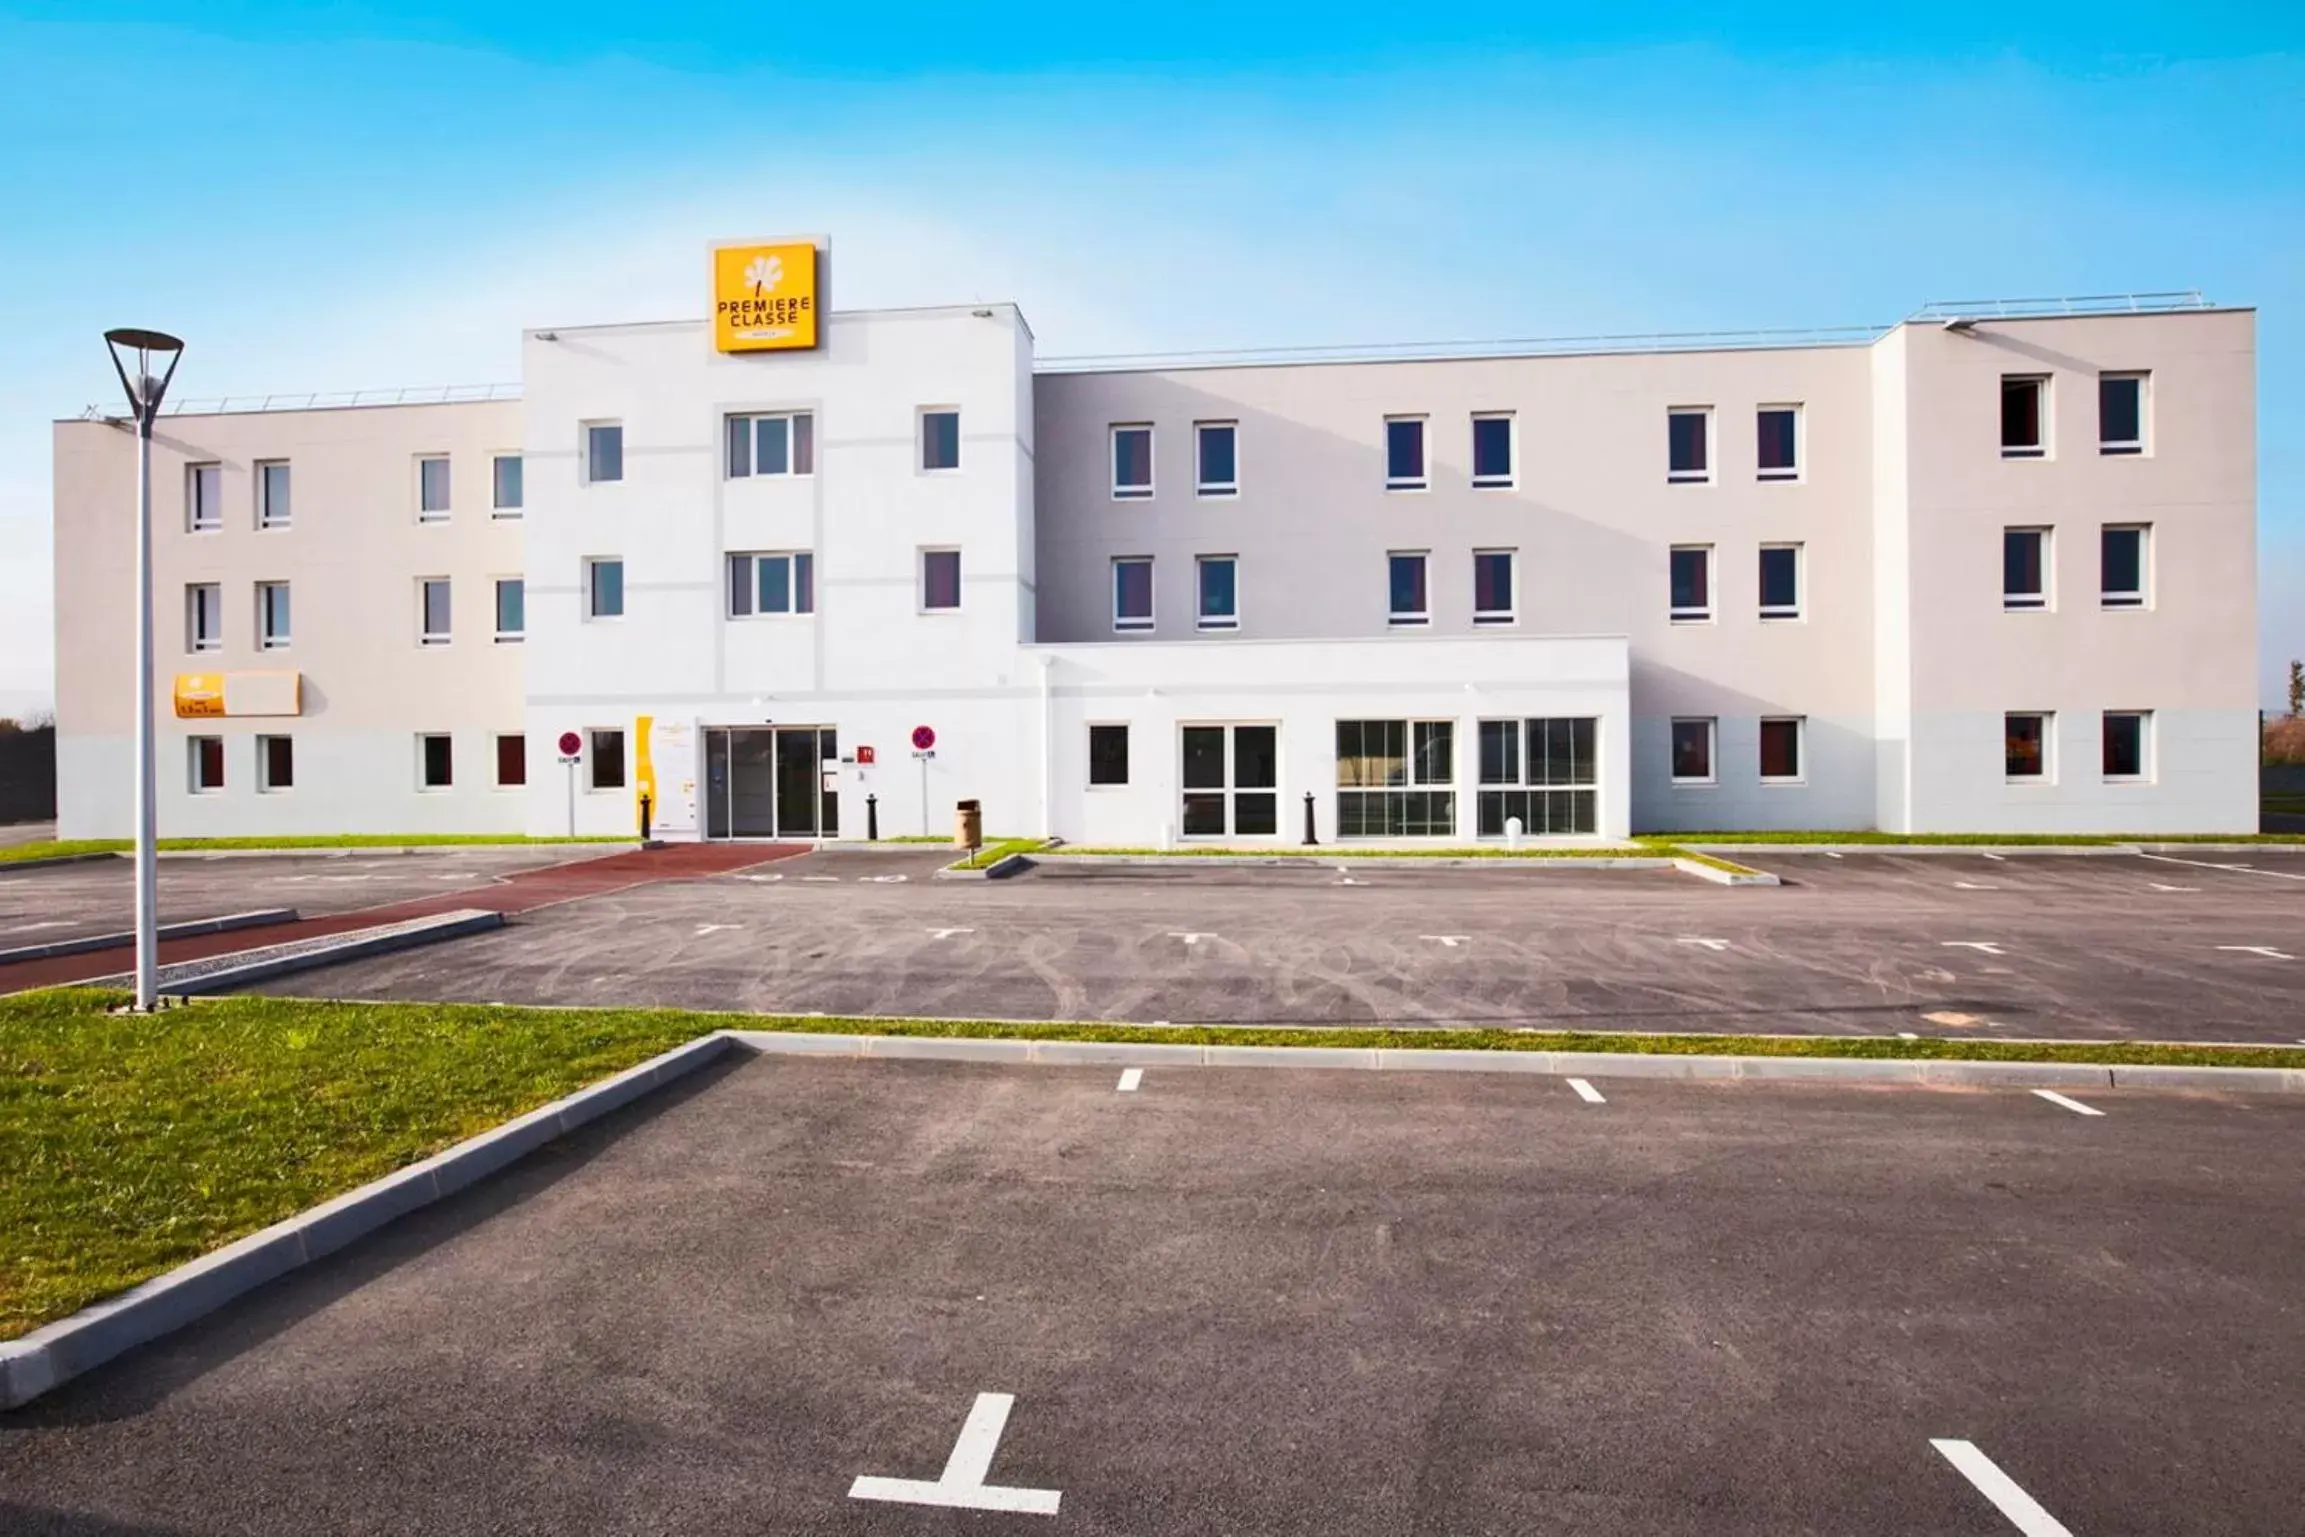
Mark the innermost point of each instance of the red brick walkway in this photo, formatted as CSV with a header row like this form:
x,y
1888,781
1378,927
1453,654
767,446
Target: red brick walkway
x,y
522,892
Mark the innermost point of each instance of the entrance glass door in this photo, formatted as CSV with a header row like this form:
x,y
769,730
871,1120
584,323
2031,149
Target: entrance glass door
x,y
767,782
1231,781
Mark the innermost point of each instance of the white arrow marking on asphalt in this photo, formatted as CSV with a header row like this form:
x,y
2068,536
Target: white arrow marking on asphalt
x,y
1190,939
962,1485
1714,945
2074,1105
1829,854
1130,1077
1587,1092
2023,1511
948,933
1450,940
703,929
2211,864
2266,951
2157,886
1990,947
1998,858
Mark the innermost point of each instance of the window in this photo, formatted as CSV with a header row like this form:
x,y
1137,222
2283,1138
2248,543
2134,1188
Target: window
x,y
1541,771
1108,755
203,497
511,608
2024,417
1779,445
2024,568
1781,750
2025,737
1216,456
203,617
1693,751
606,757
1493,587
1218,582
1405,582
432,487
433,614
2122,569
783,443
2121,413
272,616
1493,449
1689,443
1385,771
1132,463
1780,581
436,761
206,755
603,452
1692,580
511,760
940,439
275,763
1132,592
272,494
1404,453
1231,780
778,583
506,492
940,580
2128,742
604,588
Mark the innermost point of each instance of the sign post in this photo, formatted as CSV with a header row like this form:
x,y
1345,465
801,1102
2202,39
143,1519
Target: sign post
x,y
571,752
923,749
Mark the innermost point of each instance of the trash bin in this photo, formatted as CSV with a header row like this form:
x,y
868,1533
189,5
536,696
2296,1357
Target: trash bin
x,y
968,825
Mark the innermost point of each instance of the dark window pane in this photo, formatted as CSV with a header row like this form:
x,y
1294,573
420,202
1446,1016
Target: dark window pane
x,y
1132,591
1204,815
1132,459
940,440
1108,755
1692,580
279,762
940,579
772,450
1218,594
608,760
437,762
2021,563
511,606
508,482
2124,746
1257,814
208,768
804,444
804,583
1256,757
1777,433
1780,580
432,485
1500,752
1492,583
2023,741
1692,749
739,447
1204,755
1780,749
604,453
1435,760
1216,448
2124,562
740,587
2021,415
1492,448
1405,451
607,589
2120,413
1685,440
512,760
775,585
1408,584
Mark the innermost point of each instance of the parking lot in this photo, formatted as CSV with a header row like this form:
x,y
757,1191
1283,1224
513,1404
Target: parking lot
x,y
2206,946
771,1299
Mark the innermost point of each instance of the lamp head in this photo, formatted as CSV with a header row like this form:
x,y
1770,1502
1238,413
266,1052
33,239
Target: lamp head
x,y
157,354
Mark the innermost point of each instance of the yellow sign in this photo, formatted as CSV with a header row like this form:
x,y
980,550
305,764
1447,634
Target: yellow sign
x,y
199,694
764,297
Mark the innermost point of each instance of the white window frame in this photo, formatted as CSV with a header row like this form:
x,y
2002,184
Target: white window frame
x,y
2040,602
1202,485
1404,618
1682,614
920,578
792,585
496,508
1509,615
203,600
505,637
2044,431
1798,609
203,515
1122,624
267,639
2142,597
192,777
423,787
792,437
2145,745
1712,774
2142,445
1215,622
425,634
1699,477
1232,789
2048,774
584,454
1800,774
264,784
266,517
1800,463
1416,777
1131,492
441,513
1128,765
593,565
920,462
1423,480
1512,475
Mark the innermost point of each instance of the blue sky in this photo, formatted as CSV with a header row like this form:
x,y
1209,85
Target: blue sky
x,y
341,196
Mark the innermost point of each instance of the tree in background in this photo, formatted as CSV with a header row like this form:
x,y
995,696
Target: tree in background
x,y
2296,689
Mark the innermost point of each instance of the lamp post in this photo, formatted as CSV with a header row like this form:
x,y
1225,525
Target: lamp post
x,y
145,392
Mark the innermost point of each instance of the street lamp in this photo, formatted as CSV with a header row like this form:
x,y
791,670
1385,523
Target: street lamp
x,y
145,392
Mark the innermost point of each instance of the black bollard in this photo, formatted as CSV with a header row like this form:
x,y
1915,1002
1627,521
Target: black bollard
x,y
645,808
1309,838
872,818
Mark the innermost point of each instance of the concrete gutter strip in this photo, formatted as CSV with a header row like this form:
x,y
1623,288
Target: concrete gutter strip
x,y
357,851
1720,877
223,925
242,967
51,861
57,1352
1597,860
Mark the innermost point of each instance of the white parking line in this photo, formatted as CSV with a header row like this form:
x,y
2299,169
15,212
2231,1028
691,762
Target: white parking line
x,y
2023,1511
2074,1105
1190,939
1973,886
961,1486
1988,946
1587,1092
1130,1077
2266,951
947,933
1998,859
2211,864
820,877
1449,940
886,880
1714,945
703,929
2158,886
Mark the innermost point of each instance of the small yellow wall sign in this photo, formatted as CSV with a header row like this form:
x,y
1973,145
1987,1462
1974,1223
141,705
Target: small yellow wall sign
x,y
764,296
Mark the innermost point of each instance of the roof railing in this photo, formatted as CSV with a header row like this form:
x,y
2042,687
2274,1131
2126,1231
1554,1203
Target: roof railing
x,y
329,400
2085,304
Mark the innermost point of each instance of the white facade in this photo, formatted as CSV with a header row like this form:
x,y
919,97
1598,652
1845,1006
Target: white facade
x,y
1893,679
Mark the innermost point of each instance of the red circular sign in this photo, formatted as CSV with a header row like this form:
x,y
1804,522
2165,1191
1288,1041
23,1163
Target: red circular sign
x,y
570,744
923,738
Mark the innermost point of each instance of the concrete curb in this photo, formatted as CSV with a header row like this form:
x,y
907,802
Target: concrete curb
x,y
622,846
1603,861
454,925
57,1352
223,925
999,870
51,861
2009,849
1720,877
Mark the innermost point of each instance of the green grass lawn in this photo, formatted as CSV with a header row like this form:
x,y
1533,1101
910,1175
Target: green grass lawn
x,y
994,853
58,849
132,1144
1376,851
